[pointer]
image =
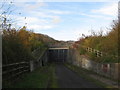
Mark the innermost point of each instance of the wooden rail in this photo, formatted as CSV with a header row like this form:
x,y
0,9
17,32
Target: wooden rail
x,y
14,70
97,52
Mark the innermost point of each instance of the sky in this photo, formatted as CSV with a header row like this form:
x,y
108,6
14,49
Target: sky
x,y
64,20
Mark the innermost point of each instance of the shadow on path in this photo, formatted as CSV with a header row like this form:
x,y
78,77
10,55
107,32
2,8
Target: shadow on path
x,y
69,79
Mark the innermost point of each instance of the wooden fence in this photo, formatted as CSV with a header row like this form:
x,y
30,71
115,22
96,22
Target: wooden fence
x,y
11,72
97,52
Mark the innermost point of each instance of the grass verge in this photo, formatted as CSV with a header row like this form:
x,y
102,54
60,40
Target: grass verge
x,y
36,79
53,78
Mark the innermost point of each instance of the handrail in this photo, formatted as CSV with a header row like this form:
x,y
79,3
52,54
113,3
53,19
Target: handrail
x,y
14,64
37,51
99,54
14,69
97,51
42,54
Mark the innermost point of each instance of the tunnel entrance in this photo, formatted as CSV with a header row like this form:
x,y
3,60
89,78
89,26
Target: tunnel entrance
x,y
58,54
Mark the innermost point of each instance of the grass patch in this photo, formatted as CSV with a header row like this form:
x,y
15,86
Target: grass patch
x,y
85,74
53,78
36,79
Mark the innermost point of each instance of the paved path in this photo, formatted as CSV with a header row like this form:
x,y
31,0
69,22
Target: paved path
x,y
69,79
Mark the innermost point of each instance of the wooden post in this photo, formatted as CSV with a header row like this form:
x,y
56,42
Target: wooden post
x,y
31,66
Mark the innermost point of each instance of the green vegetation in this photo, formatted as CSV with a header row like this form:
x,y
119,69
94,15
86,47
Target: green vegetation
x,y
82,51
108,44
18,45
40,78
53,78
85,74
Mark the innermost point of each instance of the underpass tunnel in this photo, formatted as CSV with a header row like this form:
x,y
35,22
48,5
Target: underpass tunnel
x,y
58,55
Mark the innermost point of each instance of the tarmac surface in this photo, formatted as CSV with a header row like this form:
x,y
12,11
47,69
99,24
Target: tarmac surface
x,y
69,79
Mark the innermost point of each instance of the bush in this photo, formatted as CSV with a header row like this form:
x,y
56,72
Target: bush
x,y
17,46
82,51
108,58
92,56
106,44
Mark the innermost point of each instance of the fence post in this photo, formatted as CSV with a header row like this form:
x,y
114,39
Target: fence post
x,y
1,76
97,53
31,66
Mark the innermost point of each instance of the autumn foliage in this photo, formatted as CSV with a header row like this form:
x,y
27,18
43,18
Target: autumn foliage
x,y
108,44
18,45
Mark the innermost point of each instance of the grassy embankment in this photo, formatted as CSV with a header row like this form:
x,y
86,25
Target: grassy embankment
x,y
43,77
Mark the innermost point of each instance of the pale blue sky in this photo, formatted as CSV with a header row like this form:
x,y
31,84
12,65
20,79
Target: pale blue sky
x,y
65,20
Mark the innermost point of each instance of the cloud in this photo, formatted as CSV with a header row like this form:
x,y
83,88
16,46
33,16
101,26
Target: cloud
x,y
33,20
45,19
56,20
96,16
64,0
30,6
34,23
58,12
111,9
35,6
44,15
36,27
89,15
35,10
70,33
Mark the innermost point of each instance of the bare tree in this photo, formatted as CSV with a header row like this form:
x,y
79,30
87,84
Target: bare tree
x,y
6,10
6,20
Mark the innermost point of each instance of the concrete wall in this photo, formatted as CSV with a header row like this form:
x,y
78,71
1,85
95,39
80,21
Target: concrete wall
x,y
40,62
107,69
0,59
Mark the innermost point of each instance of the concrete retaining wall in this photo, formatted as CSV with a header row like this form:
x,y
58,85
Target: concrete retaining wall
x,y
107,69
40,62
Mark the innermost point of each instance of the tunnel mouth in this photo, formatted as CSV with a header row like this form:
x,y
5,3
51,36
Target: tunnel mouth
x,y
57,55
